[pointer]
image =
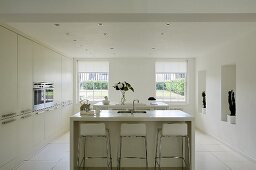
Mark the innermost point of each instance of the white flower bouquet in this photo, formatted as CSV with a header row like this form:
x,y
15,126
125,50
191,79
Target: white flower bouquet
x,y
123,87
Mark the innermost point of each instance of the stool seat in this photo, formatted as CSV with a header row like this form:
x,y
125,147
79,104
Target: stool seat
x,y
92,129
175,129
138,129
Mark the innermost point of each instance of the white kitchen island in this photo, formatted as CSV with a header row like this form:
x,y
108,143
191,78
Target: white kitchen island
x,y
153,120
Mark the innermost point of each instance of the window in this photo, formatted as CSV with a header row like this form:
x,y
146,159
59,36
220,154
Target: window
x,y
171,81
93,80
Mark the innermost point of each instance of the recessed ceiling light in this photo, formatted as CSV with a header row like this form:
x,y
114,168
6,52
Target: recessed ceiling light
x,y
74,40
153,48
168,24
57,25
111,48
100,24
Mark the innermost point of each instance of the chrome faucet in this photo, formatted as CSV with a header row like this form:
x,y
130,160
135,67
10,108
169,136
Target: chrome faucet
x,y
136,100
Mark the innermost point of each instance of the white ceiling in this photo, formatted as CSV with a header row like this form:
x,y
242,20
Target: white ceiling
x,y
179,40
133,28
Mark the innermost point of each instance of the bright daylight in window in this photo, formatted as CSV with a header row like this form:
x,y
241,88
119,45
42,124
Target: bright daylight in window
x,y
93,80
171,81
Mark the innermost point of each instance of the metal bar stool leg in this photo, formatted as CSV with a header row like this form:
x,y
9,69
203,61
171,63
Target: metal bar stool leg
x,y
120,153
156,152
160,152
108,150
84,152
78,153
110,156
146,152
182,152
189,152
187,162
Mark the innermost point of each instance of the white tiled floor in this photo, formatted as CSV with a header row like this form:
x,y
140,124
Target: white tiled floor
x,y
213,155
54,156
210,155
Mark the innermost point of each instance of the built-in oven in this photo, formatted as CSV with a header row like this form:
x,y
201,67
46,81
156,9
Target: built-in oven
x,y
43,95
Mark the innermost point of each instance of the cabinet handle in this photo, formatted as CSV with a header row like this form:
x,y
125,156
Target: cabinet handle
x,y
27,111
49,110
39,112
26,116
8,121
5,116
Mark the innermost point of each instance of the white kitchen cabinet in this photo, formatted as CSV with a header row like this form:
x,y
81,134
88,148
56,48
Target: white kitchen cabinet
x,y
8,70
9,142
8,92
67,78
23,62
25,92
67,91
52,124
39,63
53,72
25,82
25,138
38,130
66,112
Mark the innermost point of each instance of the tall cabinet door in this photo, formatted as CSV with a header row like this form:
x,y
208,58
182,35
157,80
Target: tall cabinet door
x,y
8,93
67,78
25,82
39,75
39,63
25,88
67,92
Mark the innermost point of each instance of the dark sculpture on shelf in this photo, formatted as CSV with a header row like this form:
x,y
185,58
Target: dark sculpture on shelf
x,y
204,99
232,102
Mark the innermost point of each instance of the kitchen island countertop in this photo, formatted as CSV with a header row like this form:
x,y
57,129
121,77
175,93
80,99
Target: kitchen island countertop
x,y
151,115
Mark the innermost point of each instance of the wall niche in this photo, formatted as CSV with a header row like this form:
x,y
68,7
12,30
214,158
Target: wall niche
x,y
228,82
201,88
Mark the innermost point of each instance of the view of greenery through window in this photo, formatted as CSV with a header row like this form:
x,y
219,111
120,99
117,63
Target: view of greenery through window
x,y
171,87
93,86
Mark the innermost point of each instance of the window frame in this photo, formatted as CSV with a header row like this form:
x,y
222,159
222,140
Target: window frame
x,y
78,81
186,85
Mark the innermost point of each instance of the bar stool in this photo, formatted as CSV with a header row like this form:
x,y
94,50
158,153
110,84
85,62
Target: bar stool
x,y
137,130
178,130
96,130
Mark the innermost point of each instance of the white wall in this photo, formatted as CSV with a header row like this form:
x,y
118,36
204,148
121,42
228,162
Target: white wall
x,y
241,136
140,73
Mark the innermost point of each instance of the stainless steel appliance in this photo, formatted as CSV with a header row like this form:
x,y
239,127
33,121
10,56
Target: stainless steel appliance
x,y
43,95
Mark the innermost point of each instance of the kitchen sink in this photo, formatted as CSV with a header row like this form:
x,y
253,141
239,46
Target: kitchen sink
x,y
130,111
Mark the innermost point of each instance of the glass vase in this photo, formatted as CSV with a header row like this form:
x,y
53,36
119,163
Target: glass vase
x,y
123,98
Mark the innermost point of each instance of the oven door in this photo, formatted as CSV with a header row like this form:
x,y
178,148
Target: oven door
x,y
49,93
39,98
